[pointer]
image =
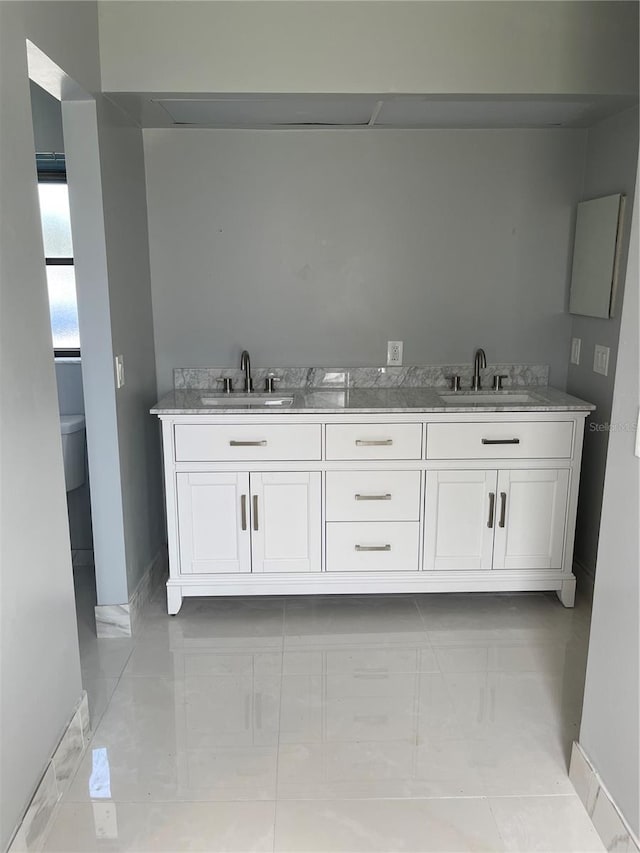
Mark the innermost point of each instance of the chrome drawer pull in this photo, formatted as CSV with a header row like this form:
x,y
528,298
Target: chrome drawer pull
x,y
235,443
386,497
373,547
255,513
243,511
501,441
374,442
492,506
503,508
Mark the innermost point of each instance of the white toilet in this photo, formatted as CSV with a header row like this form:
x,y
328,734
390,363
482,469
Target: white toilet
x,y
73,450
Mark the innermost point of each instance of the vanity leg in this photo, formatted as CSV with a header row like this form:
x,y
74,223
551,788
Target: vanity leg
x,y
174,599
567,592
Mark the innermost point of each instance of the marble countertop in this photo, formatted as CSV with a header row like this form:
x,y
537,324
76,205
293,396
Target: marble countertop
x,y
375,401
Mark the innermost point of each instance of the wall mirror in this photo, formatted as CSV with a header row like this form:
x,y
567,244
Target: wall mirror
x,y
596,253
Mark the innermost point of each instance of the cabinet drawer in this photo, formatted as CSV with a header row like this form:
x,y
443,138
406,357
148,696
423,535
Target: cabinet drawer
x,y
374,441
365,546
500,440
246,442
382,719
370,683
373,495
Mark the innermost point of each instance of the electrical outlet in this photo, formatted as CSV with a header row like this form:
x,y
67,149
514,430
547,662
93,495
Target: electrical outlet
x,y
394,353
601,360
576,343
119,371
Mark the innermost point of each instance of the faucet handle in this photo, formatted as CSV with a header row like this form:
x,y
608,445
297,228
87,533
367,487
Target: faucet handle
x,y
227,384
270,381
455,382
497,381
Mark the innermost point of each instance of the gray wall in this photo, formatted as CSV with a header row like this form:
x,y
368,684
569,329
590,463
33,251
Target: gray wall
x,y
47,121
609,733
125,214
69,385
317,247
483,47
92,284
39,661
108,217
612,157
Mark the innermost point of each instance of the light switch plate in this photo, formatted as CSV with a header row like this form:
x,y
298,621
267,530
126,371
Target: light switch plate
x,y
394,353
576,343
601,360
119,371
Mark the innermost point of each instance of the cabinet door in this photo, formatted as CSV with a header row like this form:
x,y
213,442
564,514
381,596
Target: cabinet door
x,y
531,511
213,523
285,522
459,519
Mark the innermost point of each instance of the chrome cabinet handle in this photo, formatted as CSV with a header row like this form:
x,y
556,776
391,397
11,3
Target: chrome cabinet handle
x,y
492,506
255,512
243,511
503,508
373,547
386,497
235,443
501,441
379,442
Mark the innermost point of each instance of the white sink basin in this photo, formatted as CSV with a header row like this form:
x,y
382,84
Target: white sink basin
x,y
496,398
235,401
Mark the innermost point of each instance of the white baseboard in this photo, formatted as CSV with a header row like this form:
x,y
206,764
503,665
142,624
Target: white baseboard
x,y
60,770
609,823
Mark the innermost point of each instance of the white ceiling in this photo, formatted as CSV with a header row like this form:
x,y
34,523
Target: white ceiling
x,y
273,111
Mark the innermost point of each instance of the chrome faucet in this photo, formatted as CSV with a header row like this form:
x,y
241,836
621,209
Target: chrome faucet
x,y
479,362
245,364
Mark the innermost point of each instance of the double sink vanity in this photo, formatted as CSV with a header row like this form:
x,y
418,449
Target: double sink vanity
x,y
370,480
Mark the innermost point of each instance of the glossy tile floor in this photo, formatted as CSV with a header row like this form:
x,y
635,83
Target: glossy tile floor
x,y
417,723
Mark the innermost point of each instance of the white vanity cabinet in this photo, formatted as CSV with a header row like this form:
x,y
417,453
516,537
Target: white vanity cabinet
x,y
213,525
330,503
248,522
458,519
498,517
510,519
531,517
285,521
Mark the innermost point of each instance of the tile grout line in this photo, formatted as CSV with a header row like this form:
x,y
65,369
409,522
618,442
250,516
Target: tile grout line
x,y
281,803
106,708
495,823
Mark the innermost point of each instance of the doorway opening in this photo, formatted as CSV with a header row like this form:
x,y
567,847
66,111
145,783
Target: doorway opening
x,y
53,196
